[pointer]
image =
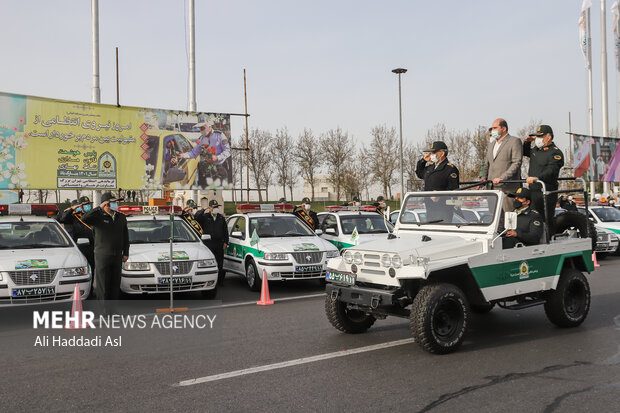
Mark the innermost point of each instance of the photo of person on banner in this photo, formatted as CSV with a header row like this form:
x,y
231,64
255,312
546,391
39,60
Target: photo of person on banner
x,y
213,150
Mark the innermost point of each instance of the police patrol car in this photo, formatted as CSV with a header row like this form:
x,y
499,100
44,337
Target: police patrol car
x,y
435,271
39,262
606,240
264,238
147,270
348,226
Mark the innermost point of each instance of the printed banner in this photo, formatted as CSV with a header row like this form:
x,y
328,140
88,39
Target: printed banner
x,y
55,144
597,158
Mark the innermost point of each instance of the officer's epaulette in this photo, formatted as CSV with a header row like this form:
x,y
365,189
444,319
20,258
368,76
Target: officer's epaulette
x,y
449,164
555,147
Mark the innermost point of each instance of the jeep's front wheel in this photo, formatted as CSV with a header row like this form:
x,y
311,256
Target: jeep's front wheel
x,y
439,318
569,303
346,319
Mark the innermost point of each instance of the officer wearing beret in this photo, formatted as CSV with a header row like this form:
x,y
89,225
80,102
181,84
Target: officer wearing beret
x,y
188,216
111,245
72,219
529,222
309,217
214,224
546,160
438,174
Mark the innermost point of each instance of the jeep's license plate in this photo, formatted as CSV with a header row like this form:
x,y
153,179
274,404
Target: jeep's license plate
x,y
340,277
27,292
175,280
308,268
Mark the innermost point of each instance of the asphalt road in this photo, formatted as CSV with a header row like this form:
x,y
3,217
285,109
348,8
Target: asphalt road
x,y
287,357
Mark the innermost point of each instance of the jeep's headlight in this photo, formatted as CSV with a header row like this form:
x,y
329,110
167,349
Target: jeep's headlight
x,y
397,262
332,254
72,272
419,261
136,266
386,260
272,256
210,262
348,257
357,258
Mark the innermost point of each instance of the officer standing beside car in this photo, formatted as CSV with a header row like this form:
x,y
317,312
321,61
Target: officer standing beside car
x,y
72,219
214,224
188,216
380,205
111,245
546,160
305,213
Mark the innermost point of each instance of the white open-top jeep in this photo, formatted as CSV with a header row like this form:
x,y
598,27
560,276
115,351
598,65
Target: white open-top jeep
x,y
435,272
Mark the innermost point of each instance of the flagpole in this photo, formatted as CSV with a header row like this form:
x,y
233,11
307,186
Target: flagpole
x,y
604,78
192,69
590,97
96,90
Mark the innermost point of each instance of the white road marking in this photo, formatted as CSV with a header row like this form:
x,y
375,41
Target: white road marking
x,y
244,303
292,363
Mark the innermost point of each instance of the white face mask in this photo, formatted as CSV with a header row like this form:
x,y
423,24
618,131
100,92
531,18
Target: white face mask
x,y
216,211
434,158
358,204
307,207
539,142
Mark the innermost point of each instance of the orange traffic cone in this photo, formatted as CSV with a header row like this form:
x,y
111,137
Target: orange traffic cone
x,y
76,308
596,264
264,293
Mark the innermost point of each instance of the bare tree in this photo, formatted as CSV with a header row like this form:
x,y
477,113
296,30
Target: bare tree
x,y
522,132
308,157
353,182
291,179
282,148
260,159
238,166
380,155
365,170
480,142
336,147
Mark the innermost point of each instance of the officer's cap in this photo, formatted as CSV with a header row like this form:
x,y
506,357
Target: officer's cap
x,y
74,202
85,200
437,146
356,198
305,200
191,203
213,203
543,130
107,196
380,198
522,193
282,201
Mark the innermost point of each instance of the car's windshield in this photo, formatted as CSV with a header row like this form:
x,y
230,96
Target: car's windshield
x,y
449,209
279,226
365,224
153,231
22,235
607,214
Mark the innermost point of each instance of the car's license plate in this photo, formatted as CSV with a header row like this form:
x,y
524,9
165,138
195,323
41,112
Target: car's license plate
x,y
175,280
340,277
26,292
308,268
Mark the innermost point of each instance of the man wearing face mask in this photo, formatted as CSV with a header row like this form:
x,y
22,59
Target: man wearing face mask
x,y
503,160
546,160
380,205
438,174
529,222
188,216
111,245
214,224
72,219
309,217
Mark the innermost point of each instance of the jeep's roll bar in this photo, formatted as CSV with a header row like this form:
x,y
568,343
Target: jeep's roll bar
x,y
473,184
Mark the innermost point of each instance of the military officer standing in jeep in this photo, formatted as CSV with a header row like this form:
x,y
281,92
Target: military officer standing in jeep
x,y
546,160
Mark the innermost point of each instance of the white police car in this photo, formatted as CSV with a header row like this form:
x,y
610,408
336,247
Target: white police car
x,y
148,268
283,246
606,220
39,262
339,224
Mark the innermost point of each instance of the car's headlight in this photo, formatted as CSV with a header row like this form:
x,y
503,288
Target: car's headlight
x,y
210,262
74,272
348,257
386,260
136,266
272,256
397,262
332,254
357,258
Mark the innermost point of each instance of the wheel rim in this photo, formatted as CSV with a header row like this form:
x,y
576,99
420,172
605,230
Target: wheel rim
x,y
250,275
575,299
447,319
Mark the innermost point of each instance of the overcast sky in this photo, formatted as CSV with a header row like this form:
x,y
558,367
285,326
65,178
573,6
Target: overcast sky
x,y
320,64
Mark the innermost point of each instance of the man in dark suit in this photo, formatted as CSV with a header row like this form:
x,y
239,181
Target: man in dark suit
x,y
214,224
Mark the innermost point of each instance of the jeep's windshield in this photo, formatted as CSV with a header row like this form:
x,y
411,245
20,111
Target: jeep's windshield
x,y
449,209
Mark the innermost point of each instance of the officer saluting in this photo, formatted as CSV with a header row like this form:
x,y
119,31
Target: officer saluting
x,y
309,217
214,224
546,160
72,218
380,205
438,174
188,216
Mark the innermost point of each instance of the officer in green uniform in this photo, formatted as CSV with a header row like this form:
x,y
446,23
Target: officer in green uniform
x,y
72,219
529,222
214,224
309,217
435,169
111,245
546,160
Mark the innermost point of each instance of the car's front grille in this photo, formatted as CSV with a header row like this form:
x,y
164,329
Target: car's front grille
x,y
182,267
314,274
308,257
32,277
164,288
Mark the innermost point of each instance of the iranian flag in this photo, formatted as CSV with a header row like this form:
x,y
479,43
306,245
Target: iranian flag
x,y
582,155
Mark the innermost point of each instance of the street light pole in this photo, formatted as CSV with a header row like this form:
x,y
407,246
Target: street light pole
x,y
400,71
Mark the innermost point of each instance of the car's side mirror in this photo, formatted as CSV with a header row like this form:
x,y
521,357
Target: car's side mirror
x,y
237,234
205,237
318,231
83,241
510,220
330,231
